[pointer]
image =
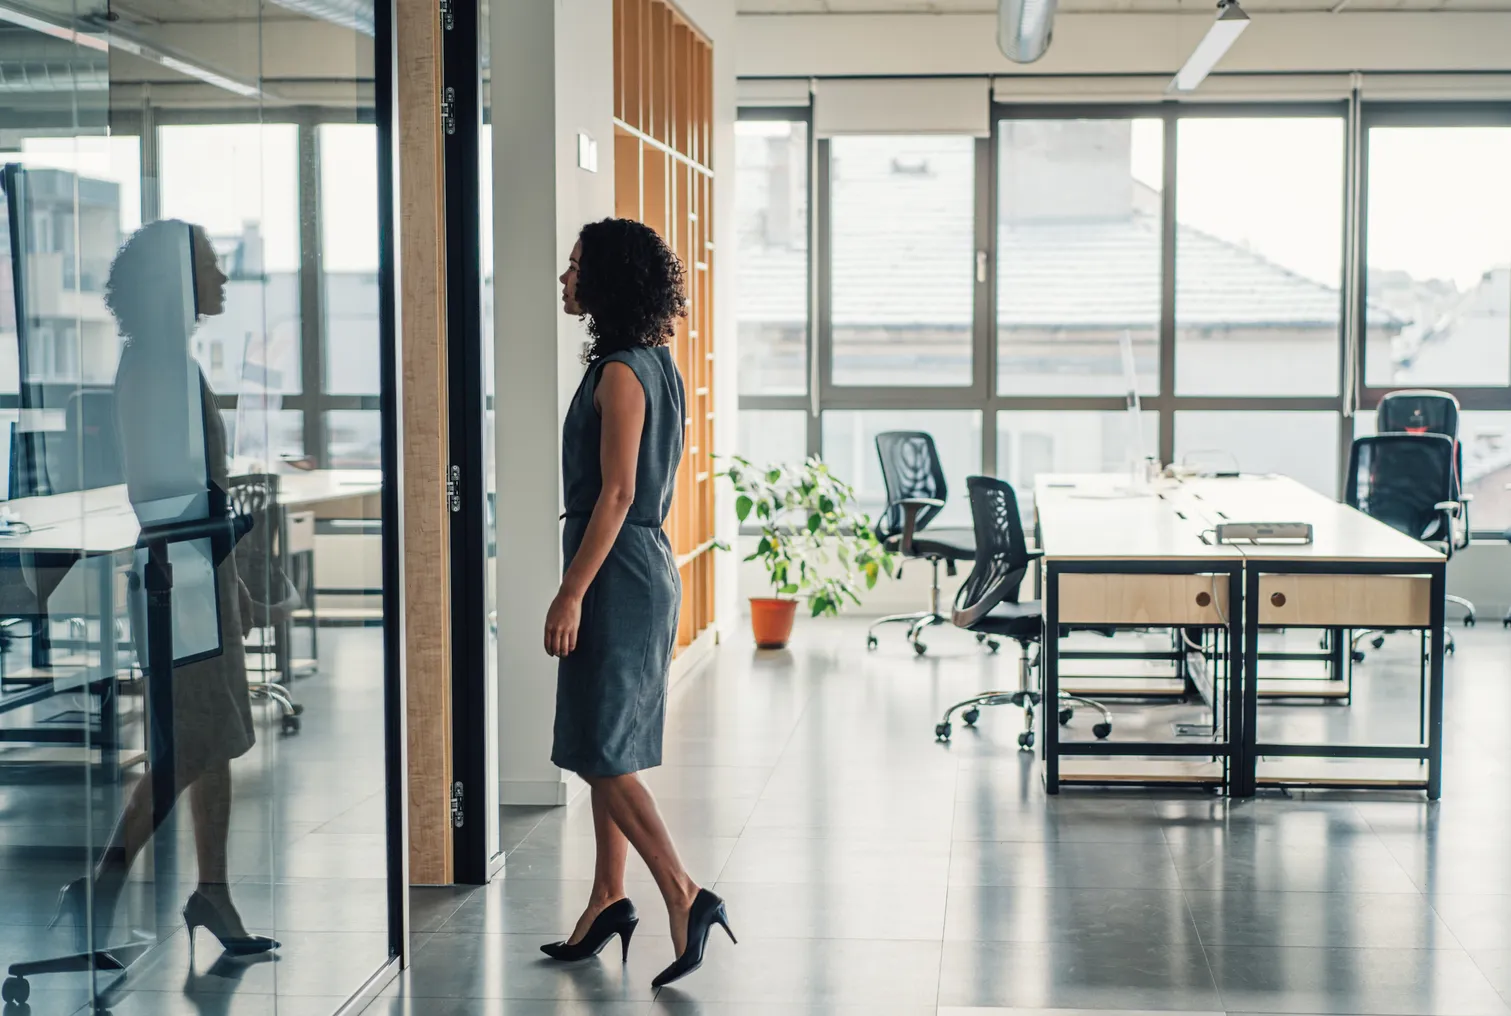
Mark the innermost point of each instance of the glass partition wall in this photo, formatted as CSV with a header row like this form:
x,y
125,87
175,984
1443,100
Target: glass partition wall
x,y
985,289
195,694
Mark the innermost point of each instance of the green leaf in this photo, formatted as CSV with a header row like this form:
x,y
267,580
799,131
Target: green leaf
x,y
764,547
743,506
814,522
789,589
773,475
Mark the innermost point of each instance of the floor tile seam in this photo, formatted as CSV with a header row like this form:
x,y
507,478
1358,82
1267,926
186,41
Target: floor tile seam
x,y
451,915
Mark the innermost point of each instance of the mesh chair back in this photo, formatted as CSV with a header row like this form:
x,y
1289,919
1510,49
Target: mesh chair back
x,y
910,468
89,456
1001,547
259,553
1423,412
1400,478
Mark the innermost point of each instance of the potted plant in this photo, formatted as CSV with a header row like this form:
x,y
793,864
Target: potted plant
x,y
816,548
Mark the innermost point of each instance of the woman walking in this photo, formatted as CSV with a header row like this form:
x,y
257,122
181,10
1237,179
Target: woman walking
x,y
613,623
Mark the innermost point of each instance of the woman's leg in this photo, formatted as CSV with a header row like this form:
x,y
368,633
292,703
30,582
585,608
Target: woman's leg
x,y
613,851
634,811
210,807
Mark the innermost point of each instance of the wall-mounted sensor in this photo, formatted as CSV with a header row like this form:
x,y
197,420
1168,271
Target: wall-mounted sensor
x,y
587,153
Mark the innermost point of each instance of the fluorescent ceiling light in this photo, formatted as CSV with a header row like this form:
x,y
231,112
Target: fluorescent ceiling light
x,y
1230,23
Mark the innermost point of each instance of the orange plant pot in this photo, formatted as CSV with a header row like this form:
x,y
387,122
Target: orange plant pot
x,y
771,621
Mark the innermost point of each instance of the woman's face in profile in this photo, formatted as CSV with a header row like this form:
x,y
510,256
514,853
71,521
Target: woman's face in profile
x,y
209,280
568,282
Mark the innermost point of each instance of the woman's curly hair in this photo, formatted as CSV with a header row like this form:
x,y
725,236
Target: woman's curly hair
x,y
629,285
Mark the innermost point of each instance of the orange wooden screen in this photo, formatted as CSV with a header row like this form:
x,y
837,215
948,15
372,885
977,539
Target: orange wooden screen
x,y
663,176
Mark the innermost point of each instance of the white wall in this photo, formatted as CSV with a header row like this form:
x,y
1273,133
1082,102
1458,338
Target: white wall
x,y
900,44
552,78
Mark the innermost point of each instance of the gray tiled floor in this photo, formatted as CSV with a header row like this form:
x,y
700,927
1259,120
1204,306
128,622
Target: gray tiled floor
x,y
872,872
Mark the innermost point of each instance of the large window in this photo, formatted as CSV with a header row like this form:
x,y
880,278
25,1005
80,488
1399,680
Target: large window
x,y
902,258
771,204
1259,256
1203,248
1438,228
1078,255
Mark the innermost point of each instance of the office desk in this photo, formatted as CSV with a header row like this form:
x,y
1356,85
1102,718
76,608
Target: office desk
x,y
99,528
1356,573
1133,559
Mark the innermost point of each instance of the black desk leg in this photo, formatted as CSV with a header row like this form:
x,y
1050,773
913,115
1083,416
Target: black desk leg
x,y
110,712
1237,670
1246,782
1438,617
1049,708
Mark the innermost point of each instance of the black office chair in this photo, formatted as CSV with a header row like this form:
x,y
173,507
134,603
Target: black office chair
x,y
916,494
988,605
1405,480
89,455
261,566
1412,411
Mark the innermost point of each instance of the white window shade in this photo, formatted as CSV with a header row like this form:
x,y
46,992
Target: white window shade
x,y
1030,89
773,92
903,106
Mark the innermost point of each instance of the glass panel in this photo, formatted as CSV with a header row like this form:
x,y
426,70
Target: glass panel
x,y
355,438
1301,445
162,765
771,217
850,449
1486,436
490,470
349,257
1078,260
1072,441
1259,261
903,261
1438,279
240,182
769,436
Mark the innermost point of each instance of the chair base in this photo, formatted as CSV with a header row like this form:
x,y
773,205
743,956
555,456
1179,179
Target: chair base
x,y
1378,642
919,621
1469,612
289,710
1026,699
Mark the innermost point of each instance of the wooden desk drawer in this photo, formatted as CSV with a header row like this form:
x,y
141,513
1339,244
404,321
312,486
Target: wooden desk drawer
x,y
1143,599
1345,601
301,532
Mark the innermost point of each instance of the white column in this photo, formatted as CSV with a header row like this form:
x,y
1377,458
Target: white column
x,y
552,79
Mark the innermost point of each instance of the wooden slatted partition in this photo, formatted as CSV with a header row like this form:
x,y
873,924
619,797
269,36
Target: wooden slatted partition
x,y
663,176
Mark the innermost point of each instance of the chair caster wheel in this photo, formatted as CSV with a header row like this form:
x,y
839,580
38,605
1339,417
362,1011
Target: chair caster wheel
x,y
994,646
1102,731
1026,740
298,709
1378,642
920,648
1449,649
871,642
1066,715
291,724
1469,620
942,732
1358,656
971,716
15,990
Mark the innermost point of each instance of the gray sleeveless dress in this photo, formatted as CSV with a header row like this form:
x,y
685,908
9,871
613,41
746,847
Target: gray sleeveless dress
x,y
611,691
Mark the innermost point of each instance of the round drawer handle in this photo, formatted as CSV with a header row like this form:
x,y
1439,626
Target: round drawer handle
x,y
1203,599
1278,599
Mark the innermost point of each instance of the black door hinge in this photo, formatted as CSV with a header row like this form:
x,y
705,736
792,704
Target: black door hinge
x,y
448,110
448,18
458,814
454,489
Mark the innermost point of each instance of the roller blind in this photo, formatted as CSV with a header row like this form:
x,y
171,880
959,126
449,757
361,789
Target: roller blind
x,y
902,106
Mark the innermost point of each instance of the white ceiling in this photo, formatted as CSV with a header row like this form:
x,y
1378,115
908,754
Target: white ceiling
x,y
988,6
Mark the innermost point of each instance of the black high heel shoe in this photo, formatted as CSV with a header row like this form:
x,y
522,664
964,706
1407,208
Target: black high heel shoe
x,y
615,919
200,912
707,911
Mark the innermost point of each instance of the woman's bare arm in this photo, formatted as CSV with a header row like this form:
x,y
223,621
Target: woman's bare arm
x,y
620,400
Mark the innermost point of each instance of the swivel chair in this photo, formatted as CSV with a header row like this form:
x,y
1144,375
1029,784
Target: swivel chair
x,y
261,565
988,605
1407,481
916,494
1412,411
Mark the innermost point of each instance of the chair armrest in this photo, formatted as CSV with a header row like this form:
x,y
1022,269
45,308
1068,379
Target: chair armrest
x,y
1451,507
965,618
911,507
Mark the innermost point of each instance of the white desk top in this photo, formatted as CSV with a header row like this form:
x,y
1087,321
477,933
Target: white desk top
x,y
101,521
1094,516
1097,517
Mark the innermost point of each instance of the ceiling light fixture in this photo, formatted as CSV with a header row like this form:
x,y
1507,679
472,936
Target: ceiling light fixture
x,y
1230,23
1024,28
